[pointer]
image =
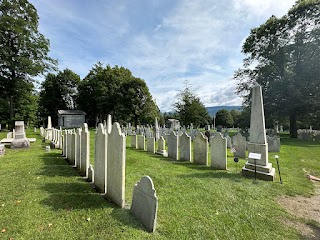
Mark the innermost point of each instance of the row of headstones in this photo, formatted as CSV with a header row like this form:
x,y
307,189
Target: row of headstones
x,y
218,148
238,144
108,173
308,135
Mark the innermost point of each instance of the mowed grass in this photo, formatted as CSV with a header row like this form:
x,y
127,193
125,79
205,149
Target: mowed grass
x,y
43,197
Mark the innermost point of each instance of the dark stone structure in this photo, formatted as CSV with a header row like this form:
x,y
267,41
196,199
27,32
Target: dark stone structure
x,y
71,118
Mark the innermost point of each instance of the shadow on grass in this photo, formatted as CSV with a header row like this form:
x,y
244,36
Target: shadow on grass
x,y
70,196
124,216
56,165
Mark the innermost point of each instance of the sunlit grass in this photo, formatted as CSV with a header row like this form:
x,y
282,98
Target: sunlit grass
x,y
42,197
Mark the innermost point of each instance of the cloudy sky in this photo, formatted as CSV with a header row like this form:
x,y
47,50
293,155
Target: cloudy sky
x,y
164,42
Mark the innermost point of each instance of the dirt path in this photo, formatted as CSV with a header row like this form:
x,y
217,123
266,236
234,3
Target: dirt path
x,y
304,207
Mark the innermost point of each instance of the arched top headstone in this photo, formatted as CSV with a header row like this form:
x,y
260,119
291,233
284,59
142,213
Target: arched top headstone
x,y
145,203
109,124
100,129
85,127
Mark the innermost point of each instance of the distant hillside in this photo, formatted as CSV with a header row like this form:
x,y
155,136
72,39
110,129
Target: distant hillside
x,y
213,110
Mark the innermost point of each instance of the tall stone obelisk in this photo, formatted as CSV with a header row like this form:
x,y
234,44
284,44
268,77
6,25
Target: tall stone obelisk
x,y
258,140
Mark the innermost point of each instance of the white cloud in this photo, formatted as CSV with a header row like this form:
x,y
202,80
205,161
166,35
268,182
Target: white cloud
x,y
164,43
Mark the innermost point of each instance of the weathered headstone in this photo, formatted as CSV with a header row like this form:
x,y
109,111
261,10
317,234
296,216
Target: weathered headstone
x,y
134,141
258,140
218,150
20,140
200,150
185,147
156,129
273,144
145,203
73,145
151,145
85,151
100,159
116,165
162,147
173,146
239,144
78,148
141,142
49,129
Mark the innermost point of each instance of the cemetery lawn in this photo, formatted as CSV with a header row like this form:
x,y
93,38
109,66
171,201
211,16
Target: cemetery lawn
x,y
43,197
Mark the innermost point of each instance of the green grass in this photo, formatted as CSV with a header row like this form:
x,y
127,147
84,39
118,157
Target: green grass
x,y
42,197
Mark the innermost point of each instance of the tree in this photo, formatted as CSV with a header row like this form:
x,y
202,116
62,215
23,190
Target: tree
x,y
23,50
224,118
115,91
190,109
283,57
58,92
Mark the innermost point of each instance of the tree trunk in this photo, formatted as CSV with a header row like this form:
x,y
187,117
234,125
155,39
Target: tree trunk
x,y
293,125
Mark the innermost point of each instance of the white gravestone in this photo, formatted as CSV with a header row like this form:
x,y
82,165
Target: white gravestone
x,y
20,140
218,149
78,148
85,151
141,142
151,145
239,144
173,146
156,129
116,166
185,147
145,203
162,147
100,159
200,149
134,141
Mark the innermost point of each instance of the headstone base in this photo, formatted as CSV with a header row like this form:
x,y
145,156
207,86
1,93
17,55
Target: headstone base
x,y
20,143
263,172
162,152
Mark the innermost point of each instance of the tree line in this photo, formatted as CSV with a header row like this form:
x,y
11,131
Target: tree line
x,y
282,55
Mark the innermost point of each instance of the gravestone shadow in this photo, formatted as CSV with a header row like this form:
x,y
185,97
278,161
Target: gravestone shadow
x,y
124,216
56,165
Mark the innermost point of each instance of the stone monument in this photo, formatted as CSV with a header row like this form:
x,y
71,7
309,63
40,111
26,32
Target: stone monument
x,y
20,140
260,168
145,203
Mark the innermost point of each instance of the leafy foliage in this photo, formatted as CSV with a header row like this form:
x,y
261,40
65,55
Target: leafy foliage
x,y
23,53
189,109
224,118
115,91
58,92
283,56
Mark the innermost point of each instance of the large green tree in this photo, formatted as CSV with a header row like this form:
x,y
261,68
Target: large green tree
x,y
23,51
283,56
189,108
224,118
115,91
58,92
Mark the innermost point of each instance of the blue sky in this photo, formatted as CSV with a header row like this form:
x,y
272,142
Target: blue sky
x,y
164,42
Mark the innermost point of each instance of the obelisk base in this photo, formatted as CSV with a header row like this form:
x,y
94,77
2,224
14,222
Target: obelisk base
x,y
263,172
